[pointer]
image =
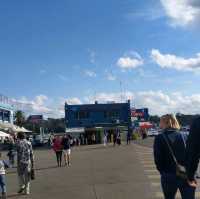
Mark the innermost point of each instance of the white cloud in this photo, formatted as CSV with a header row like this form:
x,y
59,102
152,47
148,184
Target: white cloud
x,y
182,12
36,106
158,102
132,61
73,101
90,73
175,62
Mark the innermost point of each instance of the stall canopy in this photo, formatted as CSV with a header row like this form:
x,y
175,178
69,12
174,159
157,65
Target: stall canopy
x,y
145,125
2,134
12,127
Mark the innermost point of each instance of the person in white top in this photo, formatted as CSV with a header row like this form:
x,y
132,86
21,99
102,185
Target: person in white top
x,y
3,166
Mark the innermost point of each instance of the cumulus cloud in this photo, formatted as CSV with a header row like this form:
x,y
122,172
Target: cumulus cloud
x,y
90,73
158,102
73,101
182,12
176,62
132,61
36,106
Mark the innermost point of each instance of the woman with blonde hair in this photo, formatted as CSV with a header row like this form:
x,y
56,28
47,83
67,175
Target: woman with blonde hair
x,y
169,156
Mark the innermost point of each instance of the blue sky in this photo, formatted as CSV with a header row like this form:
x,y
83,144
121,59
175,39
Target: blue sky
x,y
75,50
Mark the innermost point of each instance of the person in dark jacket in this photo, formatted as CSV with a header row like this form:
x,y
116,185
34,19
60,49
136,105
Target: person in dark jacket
x,y
193,152
67,149
164,160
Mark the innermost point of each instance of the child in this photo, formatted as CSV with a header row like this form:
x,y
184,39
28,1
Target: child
x,y
3,166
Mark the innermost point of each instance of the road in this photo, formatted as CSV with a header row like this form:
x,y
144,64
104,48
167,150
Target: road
x,y
97,172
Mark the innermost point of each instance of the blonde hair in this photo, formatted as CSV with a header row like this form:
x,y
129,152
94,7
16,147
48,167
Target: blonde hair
x,y
169,121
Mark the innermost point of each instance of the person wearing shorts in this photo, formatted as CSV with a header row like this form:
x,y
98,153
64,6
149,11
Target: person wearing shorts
x,y
67,149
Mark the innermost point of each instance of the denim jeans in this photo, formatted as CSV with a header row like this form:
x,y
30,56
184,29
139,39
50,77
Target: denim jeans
x,y
170,185
3,183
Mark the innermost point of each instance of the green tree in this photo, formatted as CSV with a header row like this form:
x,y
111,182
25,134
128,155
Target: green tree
x,y
19,118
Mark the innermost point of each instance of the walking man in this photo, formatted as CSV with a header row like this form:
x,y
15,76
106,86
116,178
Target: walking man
x,y
193,152
25,163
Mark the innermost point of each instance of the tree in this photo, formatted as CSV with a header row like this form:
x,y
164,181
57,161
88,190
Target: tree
x,y
19,118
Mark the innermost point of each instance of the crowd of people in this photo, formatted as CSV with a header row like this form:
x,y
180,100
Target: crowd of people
x,y
25,164
176,157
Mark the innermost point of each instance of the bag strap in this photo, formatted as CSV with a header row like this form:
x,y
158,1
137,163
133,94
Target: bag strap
x,y
183,138
170,148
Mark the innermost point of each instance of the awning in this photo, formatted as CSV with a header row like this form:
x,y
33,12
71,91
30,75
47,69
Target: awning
x,y
75,130
2,134
145,125
12,127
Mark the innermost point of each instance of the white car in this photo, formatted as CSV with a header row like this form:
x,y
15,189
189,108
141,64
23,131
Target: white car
x,y
153,132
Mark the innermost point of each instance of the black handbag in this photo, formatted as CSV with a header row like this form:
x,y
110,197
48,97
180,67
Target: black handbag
x,y
180,169
32,174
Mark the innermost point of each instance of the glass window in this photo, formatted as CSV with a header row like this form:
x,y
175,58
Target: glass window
x,y
6,116
82,115
111,114
1,114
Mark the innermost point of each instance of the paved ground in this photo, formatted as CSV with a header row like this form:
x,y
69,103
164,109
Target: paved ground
x,y
124,172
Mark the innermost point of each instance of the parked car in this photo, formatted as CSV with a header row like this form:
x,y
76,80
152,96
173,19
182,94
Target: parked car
x,y
153,132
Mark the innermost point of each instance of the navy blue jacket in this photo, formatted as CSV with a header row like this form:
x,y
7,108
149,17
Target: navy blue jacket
x,y
162,156
193,149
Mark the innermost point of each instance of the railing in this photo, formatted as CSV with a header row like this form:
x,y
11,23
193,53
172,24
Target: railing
x,y
14,103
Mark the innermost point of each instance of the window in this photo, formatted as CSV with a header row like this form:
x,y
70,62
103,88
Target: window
x,y
111,114
82,115
6,116
1,115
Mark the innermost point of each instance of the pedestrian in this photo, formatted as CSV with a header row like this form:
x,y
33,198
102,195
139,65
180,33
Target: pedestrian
x,y
11,152
3,166
25,163
170,159
93,138
144,133
193,152
128,138
105,139
67,149
58,149
118,137
114,138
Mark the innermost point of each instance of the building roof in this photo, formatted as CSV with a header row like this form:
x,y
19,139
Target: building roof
x,y
6,107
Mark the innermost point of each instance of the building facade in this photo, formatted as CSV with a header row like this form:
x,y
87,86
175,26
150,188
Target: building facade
x,y
92,120
6,113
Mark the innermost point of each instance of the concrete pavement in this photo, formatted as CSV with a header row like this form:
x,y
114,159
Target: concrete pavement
x,y
97,172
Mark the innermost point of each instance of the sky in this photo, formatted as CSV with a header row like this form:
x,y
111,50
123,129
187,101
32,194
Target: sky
x,y
76,51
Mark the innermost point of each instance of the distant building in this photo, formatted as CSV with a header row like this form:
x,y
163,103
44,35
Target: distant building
x,y
92,120
6,113
35,119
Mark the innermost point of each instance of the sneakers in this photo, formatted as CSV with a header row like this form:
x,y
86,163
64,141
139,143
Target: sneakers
x,y
21,190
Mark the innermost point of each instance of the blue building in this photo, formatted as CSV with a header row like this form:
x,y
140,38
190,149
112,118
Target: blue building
x,y
92,120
